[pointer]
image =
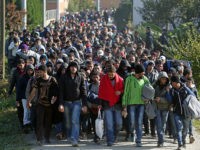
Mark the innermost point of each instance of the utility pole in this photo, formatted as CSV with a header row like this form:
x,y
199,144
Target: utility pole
x,y
98,5
133,13
44,13
58,11
24,7
2,39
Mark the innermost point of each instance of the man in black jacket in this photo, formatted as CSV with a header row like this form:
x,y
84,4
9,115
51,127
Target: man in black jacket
x,y
72,91
179,92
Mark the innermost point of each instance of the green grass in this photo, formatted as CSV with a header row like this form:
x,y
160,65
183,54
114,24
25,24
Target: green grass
x,y
11,137
196,124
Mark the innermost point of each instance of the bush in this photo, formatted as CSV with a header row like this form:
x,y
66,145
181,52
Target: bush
x,y
35,13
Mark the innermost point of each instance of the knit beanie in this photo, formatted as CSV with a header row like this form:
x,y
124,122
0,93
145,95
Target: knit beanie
x,y
139,68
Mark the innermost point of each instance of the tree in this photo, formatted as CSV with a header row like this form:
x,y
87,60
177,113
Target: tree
x,y
185,43
162,12
123,15
13,17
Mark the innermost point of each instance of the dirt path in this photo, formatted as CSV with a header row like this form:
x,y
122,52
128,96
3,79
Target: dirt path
x,y
148,143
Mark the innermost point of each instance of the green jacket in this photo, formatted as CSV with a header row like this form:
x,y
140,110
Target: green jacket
x,y
133,90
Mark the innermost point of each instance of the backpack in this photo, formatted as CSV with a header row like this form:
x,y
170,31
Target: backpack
x,y
191,107
148,92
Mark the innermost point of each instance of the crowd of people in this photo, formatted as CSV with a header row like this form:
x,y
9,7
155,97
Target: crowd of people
x,y
65,72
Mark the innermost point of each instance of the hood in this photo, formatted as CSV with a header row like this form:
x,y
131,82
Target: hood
x,y
73,63
163,74
30,66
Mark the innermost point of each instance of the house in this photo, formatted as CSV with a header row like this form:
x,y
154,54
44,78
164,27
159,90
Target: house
x,y
107,4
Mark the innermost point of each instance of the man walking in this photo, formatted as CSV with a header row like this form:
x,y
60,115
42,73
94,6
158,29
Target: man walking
x,y
73,96
47,88
179,92
132,99
110,90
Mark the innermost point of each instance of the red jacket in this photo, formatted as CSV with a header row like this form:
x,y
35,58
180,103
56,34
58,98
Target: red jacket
x,y
107,90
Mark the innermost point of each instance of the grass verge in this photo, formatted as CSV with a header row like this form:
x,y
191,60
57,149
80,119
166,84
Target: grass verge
x,y
196,124
11,137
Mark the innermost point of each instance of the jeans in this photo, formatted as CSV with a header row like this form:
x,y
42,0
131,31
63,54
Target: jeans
x,y
72,112
171,125
182,125
113,123
59,127
190,129
161,119
26,118
135,117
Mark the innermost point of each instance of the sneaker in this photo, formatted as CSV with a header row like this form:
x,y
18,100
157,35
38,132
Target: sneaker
x,y
109,144
132,137
126,138
47,142
138,144
129,137
84,136
75,145
160,145
25,129
116,141
184,145
179,147
175,141
39,143
145,134
192,139
153,135
59,136
96,140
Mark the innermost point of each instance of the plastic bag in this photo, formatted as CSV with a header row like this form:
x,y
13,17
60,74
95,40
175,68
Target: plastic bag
x,y
151,110
99,125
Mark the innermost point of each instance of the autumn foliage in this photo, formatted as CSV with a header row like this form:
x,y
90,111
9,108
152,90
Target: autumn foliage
x,y
14,17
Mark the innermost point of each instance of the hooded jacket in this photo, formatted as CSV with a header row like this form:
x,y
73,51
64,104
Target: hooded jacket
x,y
160,91
23,81
107,90
133,90
72,89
